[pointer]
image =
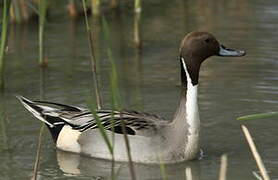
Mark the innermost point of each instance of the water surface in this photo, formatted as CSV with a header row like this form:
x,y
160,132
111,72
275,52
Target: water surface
x,y
229,87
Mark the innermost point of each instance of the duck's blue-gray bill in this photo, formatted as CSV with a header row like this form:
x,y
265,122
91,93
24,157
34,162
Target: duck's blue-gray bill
x,y
223,51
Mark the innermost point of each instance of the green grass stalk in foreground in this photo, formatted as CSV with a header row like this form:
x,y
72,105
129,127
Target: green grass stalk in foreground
x,y
42,17
162,169
3,40
259,116
110,144
101,128
116,95
255,153
137,6
93,58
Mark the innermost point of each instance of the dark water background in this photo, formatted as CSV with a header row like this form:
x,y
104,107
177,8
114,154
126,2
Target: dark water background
x,y
228,87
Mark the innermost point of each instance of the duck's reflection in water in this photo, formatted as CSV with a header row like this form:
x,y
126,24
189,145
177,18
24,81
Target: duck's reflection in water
x,y
75,164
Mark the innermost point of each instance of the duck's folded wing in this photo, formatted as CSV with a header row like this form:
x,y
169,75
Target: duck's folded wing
x,y
134,121
55,114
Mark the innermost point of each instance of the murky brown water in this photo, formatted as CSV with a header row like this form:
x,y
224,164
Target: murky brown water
x,y
228,87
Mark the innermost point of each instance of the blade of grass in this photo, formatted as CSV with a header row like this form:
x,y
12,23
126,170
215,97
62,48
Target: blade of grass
x,y
255,153
5,16
116,95
131,166
114,76
258,116
93,58
102,130
223,167
42,17
162,169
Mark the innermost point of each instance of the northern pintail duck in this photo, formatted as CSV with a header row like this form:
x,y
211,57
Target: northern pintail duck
x,y
151,138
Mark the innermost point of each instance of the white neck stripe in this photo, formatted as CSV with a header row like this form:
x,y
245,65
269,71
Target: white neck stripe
x,y
192,113
188,78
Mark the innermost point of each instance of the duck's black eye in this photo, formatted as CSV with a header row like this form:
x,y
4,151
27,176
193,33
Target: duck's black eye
x,y
207,40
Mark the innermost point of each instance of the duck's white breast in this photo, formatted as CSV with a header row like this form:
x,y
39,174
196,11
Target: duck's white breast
x,y
68,140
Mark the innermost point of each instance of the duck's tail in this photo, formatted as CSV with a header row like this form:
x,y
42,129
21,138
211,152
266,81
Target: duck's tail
x,y
45,114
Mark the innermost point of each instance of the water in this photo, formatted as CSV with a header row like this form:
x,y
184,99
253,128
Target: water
x,y
229,87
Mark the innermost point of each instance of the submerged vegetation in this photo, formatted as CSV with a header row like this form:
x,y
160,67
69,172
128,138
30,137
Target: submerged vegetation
x,y
42,17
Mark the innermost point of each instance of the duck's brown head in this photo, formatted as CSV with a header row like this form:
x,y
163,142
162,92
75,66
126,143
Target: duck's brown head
x,y
197,47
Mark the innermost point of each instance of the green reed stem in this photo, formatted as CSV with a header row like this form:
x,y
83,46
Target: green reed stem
x,y
95,4
42,17
3,40
93,58
116,95
137,6
137,24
